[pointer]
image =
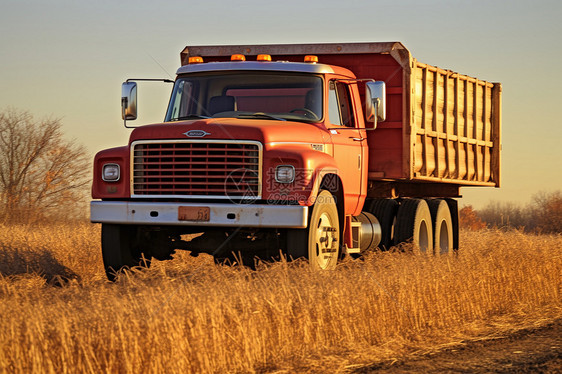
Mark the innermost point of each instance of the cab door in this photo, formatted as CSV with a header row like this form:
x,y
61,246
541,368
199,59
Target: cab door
x,y
349,142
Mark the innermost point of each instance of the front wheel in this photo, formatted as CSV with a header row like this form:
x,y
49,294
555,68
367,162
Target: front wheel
x,y
320,242
120,249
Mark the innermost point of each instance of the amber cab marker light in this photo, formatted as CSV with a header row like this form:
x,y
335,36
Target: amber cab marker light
x,y
195,60
264,57
311,59
237,58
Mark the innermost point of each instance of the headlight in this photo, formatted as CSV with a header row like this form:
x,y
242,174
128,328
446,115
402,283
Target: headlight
x,y
111,173
285,174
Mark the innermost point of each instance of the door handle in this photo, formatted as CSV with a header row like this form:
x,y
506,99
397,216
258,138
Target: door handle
x,y
357,139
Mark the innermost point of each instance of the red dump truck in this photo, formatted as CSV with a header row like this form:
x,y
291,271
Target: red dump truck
x,y
306,150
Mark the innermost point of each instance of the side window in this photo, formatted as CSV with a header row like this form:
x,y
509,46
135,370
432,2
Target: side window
x,y
174,110
187,99
340,112
333,106
182,101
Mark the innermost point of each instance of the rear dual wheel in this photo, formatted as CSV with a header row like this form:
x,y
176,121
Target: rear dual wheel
x,y
385,211
442,226
414,223
428,224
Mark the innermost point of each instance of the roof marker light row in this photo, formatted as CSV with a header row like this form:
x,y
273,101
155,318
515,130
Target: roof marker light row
x,y
239,57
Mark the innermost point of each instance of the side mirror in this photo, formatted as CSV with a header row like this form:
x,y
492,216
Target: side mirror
x,y
375,96
129,101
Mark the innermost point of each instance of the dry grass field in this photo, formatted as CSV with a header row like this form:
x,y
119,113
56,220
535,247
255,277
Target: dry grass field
x,y
59,314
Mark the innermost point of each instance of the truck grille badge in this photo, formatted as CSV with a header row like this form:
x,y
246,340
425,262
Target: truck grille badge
x,y
196,133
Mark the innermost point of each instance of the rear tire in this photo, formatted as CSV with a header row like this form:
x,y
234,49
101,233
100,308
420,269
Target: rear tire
x,y
320,242
413,222
442,226
120,249
385,212
454,209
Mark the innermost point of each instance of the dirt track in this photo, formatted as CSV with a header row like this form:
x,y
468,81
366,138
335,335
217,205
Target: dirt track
x,y
527,351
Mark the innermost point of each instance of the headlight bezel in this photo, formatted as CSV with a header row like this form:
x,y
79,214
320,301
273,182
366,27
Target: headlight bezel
x,y
285,174
115,176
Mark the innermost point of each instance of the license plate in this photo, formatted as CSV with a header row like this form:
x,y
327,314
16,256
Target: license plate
x,y
194,213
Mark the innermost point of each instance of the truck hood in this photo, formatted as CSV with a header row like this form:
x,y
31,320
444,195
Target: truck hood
x,y
264,131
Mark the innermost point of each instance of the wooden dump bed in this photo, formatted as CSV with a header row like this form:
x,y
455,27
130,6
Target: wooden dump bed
x,y
441,127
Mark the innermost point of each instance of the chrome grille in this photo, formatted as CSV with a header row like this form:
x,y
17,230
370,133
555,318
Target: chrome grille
x,y
207,169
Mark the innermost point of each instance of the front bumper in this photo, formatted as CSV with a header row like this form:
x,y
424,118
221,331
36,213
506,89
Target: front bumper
x,y
221,215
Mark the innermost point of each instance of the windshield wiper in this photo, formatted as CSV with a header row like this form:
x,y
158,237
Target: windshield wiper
x,y
260,115
191,116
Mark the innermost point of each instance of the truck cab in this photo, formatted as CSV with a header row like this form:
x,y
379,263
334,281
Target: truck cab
x,y
245,150
290,107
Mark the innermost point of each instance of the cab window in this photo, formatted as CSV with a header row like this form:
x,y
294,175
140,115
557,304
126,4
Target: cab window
x,y
339,111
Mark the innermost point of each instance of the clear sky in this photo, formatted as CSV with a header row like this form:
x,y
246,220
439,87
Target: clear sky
x,y
67,58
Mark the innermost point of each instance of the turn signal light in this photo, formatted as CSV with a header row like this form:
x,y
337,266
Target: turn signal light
x,y
237,58
311,59
264,57
195,60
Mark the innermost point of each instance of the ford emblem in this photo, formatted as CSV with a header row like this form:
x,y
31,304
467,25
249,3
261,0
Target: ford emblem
x,y
196,133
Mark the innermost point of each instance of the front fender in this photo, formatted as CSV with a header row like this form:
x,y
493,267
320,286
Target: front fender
x,y
111,190
311,167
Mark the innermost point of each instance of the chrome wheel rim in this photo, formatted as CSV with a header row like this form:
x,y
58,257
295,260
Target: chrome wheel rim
x,y
326,241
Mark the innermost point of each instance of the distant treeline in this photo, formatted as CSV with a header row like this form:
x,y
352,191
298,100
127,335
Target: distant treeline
x,y
542,215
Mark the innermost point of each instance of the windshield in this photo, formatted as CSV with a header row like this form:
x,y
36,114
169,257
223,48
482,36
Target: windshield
x,y
247,94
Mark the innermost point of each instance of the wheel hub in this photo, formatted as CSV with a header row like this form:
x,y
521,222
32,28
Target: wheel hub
x,y
326,241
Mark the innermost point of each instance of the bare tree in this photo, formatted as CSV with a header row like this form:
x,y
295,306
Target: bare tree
x,y
505,214
542,215
41,173
469,219
546,211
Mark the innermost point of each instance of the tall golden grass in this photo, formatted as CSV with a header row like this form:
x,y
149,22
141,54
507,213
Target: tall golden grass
x,y
59,314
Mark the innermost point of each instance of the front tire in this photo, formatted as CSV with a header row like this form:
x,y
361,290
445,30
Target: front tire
x,y
320,242
120,249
